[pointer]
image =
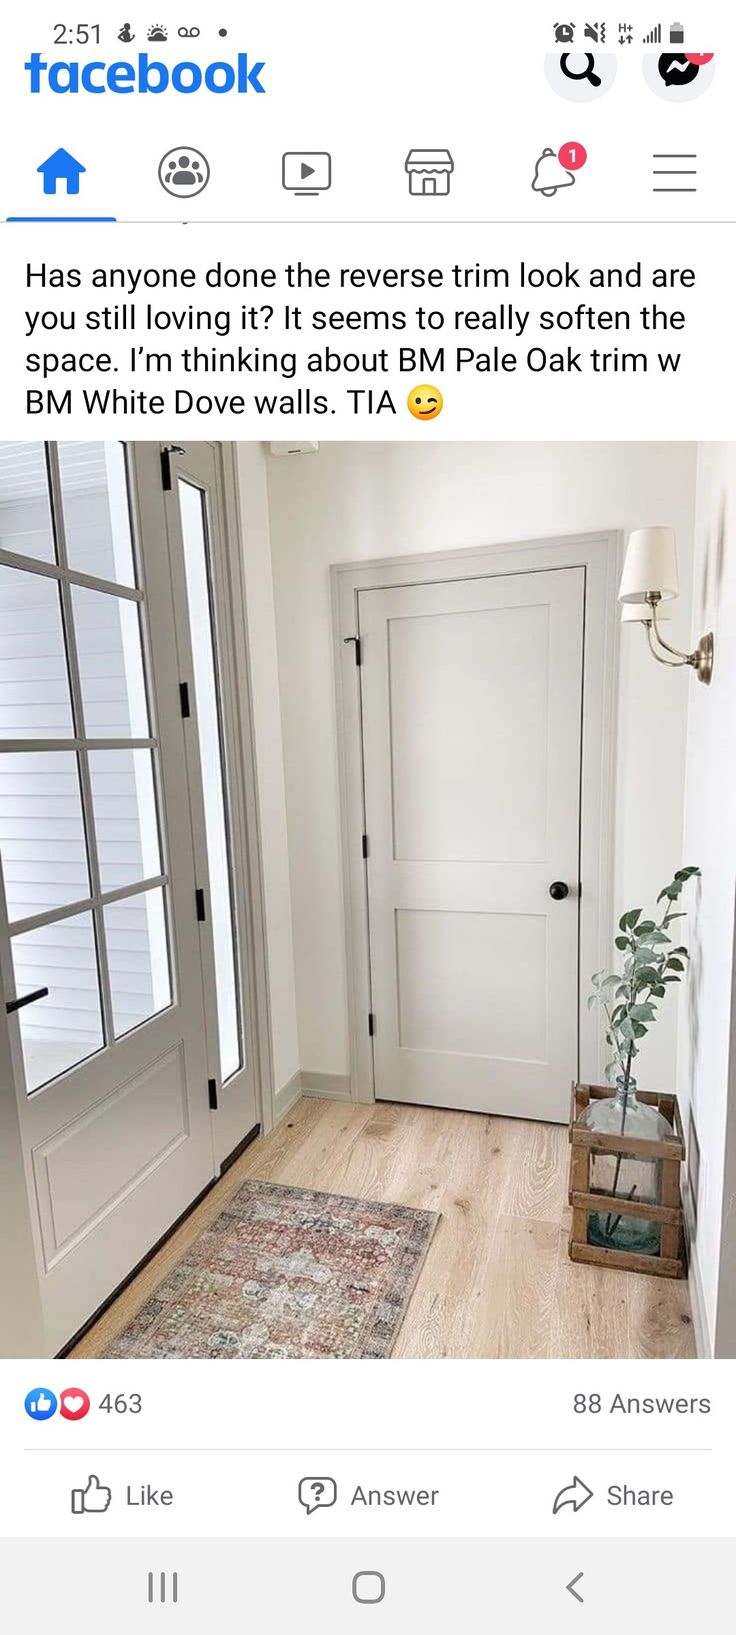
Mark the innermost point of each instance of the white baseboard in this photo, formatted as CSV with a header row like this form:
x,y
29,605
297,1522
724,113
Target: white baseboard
x,y
332,1086
327,1086
703,1343
287,1097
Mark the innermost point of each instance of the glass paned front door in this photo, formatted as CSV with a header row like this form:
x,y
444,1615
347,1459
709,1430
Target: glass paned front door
x,y
25,513
138,955
86,888
126,816
42,838
97,522
112,681
35,701
64,1027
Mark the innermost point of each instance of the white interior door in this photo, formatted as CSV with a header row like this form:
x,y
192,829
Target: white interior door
x,y
99,940
471,699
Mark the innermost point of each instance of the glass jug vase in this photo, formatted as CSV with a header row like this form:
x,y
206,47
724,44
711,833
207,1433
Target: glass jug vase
x,y
624,1176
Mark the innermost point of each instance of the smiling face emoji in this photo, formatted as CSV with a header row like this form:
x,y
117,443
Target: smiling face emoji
x,y
425,402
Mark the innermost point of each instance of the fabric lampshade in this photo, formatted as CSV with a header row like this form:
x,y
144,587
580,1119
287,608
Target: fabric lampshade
x,y
641,613
650,566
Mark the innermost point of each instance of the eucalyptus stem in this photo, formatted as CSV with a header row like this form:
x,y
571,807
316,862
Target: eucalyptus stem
x,y
617,1171
611,1229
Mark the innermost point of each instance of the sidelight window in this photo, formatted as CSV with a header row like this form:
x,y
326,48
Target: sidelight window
x,y
203,625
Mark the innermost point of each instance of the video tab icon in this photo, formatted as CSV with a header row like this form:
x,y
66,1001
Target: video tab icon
x,y
306,174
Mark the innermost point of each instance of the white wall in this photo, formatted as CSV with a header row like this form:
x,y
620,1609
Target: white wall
x,y
269,763
353,501
708,1054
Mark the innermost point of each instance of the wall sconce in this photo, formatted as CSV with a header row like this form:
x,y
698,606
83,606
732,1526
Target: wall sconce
x,y
650,579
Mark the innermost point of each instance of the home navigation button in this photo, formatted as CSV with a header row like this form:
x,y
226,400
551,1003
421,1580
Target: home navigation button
x,y
369,1588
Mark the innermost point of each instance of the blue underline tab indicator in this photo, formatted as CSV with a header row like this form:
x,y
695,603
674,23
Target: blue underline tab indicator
x,y
61,172
60,219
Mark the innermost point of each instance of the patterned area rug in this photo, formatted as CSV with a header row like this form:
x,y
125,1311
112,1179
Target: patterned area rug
x,y
284,1272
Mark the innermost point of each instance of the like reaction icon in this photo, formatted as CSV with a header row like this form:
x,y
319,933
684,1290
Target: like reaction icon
x,y
40,1403
91,1500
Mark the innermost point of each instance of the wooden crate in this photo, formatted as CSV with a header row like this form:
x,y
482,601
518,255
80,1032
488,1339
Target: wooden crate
x,y
585,1200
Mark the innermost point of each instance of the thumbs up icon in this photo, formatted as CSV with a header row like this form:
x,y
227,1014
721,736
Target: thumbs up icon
x,y
40,1404
92,1499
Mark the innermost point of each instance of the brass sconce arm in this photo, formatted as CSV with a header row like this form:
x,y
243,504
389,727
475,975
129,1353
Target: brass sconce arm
x,y
701,659
671,664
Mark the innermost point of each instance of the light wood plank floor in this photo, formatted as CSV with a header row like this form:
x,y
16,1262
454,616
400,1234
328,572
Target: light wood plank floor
x,y
497,1281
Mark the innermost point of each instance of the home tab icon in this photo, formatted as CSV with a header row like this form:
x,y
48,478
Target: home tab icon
x,y
61,167
429,171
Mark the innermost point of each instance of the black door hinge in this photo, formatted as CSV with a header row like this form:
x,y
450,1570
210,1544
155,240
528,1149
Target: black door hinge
x,y
371,1024
356,640
167,481
184,699
365,845
199,900
212,1091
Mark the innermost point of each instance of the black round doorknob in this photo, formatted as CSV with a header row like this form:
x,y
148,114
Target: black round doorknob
x,y
558,890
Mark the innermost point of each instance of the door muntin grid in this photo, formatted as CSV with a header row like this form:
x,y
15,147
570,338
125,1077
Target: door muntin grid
x,y
117,973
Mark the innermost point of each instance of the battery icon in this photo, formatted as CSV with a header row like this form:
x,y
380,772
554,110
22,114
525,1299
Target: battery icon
x,y
677,34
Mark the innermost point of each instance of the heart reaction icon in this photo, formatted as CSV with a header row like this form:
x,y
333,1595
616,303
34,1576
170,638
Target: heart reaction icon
x,y
74,1403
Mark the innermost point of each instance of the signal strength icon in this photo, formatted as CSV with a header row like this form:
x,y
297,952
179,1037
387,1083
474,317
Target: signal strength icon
x,y
655,38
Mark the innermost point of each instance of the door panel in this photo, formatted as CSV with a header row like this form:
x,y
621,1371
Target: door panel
x,y
85,1170
471,699
478,793
472,984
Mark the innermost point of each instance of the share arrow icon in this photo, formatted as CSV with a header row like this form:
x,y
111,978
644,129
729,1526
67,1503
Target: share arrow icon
x,y
577,1494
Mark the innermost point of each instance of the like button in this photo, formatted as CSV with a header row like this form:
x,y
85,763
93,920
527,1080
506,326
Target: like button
x,y
92,1499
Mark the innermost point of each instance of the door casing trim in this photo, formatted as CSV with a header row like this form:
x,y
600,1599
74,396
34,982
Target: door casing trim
x,y
227,566
253,884
600,554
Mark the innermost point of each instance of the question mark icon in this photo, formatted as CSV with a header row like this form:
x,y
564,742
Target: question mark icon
x,y
317,1493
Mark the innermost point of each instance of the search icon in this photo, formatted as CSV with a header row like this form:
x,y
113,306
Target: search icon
x,y
588,72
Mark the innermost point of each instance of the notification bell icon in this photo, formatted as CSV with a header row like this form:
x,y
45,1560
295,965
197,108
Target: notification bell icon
x,y
549,174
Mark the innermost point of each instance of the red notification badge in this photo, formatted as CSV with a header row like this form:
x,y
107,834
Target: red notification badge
x,y
572,155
